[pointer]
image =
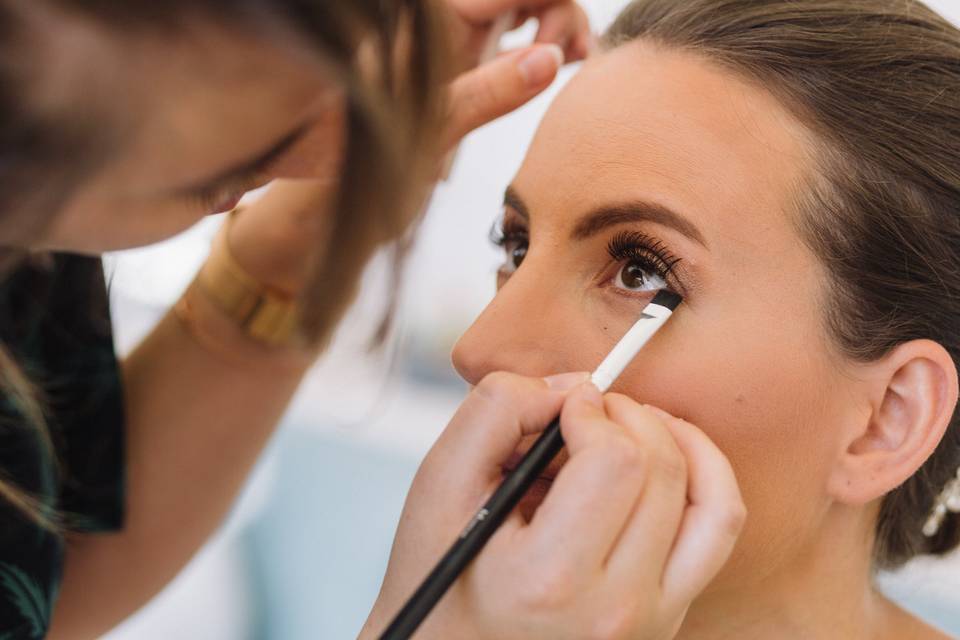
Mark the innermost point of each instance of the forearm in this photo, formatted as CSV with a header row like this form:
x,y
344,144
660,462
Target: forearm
x,y
197,419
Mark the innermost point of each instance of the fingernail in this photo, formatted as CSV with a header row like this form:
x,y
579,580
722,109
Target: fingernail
x,y
660,413
592,395
566,381
541,64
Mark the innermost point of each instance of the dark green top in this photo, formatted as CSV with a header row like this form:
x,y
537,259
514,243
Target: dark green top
x,y
55,320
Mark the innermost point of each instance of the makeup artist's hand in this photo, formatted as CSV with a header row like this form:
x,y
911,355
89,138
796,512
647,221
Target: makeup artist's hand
x,y
638,521
483,93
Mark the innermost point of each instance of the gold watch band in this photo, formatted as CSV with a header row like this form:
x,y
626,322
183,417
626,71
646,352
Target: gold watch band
x,y
264,313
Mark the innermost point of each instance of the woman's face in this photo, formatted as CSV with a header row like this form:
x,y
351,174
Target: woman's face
x,y
655,165
189,122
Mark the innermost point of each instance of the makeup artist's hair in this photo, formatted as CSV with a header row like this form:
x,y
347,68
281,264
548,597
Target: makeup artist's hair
x,y
878,82
49,147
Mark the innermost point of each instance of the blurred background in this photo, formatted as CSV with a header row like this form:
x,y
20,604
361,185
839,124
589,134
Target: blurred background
x,y
305,549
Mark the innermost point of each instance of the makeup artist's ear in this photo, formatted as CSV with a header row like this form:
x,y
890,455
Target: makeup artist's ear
x,y
912,392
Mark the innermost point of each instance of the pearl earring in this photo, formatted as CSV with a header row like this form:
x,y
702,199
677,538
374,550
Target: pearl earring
x,y
947,501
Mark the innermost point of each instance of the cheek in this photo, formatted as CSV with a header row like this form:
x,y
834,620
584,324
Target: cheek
x,y
96,225
766,397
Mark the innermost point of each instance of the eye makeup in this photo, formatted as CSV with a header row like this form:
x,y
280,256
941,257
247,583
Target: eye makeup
x,y
643,263
225,196
647,263
230,185
511,236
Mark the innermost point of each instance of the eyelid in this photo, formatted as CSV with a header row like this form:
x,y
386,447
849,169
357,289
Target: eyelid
x,y
627,246
509,225
253,170
241,183
247,178
506,227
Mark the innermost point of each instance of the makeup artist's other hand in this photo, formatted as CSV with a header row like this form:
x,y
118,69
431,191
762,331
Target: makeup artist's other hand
x,y
638,521
483,93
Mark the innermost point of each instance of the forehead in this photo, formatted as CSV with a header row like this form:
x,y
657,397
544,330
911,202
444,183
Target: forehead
x,y
643,122
168,103
217,88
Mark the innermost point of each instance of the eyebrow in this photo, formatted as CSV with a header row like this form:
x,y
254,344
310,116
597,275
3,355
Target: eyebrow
x,y
612,215
261,160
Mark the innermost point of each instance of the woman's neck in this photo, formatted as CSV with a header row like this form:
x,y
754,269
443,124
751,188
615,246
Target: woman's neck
x,y
824,590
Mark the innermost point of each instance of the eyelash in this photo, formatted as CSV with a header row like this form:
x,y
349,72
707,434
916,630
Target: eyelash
x,y
208,197
632,247
504,230
627,247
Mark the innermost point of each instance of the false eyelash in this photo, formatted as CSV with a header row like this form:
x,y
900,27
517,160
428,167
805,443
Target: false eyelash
x,y
639,248
505,230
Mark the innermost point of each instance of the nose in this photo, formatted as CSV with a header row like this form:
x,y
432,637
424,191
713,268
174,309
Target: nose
x,y
528,328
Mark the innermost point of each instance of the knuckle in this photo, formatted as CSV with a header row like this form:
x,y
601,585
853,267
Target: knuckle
x,y
481,97
732,518
619,403
619,398
623,456
497,386
614,623
672,465
550,592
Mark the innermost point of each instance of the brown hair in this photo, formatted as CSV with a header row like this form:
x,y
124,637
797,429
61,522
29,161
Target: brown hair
x,y
878,82
390,115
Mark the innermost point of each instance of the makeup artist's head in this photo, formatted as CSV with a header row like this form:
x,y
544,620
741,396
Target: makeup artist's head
x,y
122,122
793,169
125,121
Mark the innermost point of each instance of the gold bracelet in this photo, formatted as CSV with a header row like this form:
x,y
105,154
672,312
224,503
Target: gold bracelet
x,y
265,313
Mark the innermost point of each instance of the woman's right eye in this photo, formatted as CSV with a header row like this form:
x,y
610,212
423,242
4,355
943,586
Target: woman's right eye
x,y
515,248
514,239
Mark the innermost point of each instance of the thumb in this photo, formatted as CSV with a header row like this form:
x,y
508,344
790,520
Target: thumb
x,y
500,86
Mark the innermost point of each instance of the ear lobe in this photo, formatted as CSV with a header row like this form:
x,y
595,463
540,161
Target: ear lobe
x,y
913,393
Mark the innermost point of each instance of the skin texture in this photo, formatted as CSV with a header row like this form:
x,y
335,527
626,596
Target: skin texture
x,y
815,441
174,111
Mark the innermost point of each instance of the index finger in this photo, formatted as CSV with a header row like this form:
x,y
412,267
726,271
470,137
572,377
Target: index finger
x,y
713,520
489,426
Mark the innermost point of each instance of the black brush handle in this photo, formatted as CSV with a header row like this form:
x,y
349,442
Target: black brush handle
x,y
476,534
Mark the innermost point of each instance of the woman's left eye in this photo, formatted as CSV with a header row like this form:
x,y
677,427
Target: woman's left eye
x,y
645,264
634,276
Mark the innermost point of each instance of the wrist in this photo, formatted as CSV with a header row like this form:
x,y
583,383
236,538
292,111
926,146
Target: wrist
x,y
280,235
265,253
236,317
265,312
224,339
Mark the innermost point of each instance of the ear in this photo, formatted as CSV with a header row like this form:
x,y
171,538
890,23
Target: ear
x,y
912,393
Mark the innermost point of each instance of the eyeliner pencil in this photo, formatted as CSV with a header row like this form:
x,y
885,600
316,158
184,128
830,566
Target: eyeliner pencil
x,y
489,518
